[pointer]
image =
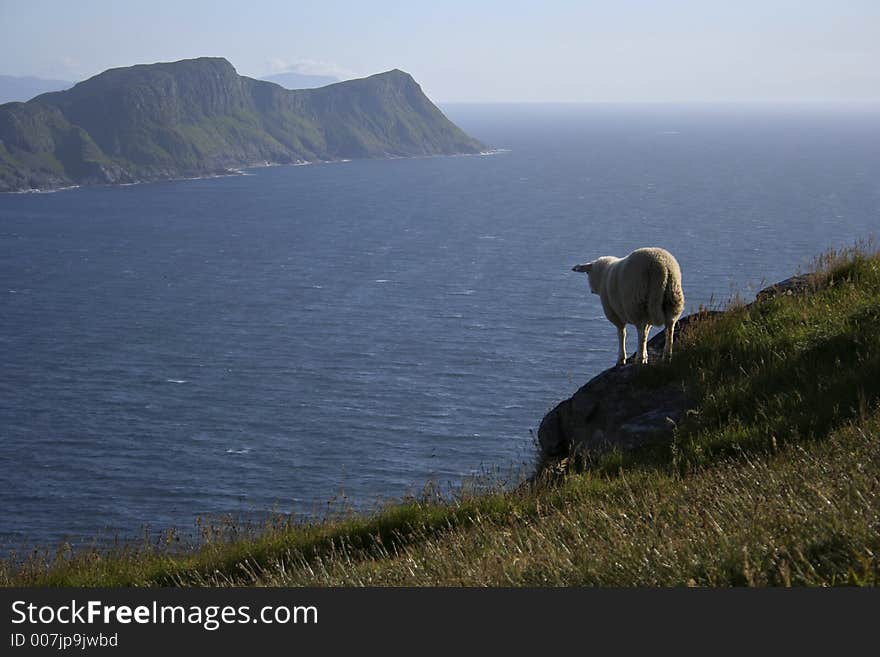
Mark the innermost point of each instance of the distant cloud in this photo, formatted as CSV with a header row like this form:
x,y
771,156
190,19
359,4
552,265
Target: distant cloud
x,y
308,67
71,67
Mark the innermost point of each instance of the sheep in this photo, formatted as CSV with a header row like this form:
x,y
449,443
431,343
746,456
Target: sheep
x,y
644,289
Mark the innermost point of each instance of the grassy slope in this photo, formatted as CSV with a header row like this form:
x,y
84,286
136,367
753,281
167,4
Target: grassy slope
x,y
774,479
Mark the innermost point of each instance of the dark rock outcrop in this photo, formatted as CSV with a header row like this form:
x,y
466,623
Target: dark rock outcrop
x,y
794,285
611,411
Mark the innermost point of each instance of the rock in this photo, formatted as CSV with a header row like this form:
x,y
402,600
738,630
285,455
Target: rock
x,y
794,285
613,411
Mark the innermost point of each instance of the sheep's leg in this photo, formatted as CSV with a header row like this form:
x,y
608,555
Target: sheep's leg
x,y
643,344
621,344
670,338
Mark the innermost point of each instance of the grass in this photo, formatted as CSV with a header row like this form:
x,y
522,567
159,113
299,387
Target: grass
x,y
772,479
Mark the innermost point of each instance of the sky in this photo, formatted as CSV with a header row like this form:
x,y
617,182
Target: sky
x,y
480,50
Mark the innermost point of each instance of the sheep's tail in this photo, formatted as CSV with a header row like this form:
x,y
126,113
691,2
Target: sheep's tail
x,y
666,298
673,296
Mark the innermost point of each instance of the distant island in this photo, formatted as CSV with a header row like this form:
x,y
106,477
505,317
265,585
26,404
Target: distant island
x,y
15,88
199,117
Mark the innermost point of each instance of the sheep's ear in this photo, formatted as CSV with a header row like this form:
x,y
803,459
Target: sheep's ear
x,y
585,268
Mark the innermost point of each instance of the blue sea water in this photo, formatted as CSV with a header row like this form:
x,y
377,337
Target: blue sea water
x,y
355,330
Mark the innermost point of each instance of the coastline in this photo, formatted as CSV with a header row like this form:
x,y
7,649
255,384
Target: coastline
x,y
241,170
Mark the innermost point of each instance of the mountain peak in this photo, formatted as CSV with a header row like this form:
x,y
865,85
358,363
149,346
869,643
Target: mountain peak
x,y
395,74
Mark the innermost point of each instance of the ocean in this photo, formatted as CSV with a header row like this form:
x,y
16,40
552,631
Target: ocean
x,y
306,338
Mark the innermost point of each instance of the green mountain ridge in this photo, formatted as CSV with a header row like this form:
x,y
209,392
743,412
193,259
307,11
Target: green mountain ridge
x,y
200,117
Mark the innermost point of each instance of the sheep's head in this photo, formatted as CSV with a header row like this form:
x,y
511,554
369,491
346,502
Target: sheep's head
x,y
594,270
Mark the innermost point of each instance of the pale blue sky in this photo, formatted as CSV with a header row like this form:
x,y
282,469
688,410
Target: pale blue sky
x,y
620,50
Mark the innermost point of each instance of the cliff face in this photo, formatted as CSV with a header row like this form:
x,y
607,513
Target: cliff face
x,y
196,117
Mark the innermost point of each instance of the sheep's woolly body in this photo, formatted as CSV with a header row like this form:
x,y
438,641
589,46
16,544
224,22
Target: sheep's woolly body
x,y
643,289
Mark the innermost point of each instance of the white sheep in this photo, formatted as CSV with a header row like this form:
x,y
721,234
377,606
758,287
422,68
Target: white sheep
x,y
644,289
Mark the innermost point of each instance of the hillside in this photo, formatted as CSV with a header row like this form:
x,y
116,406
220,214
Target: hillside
x,y
199,117
772,477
